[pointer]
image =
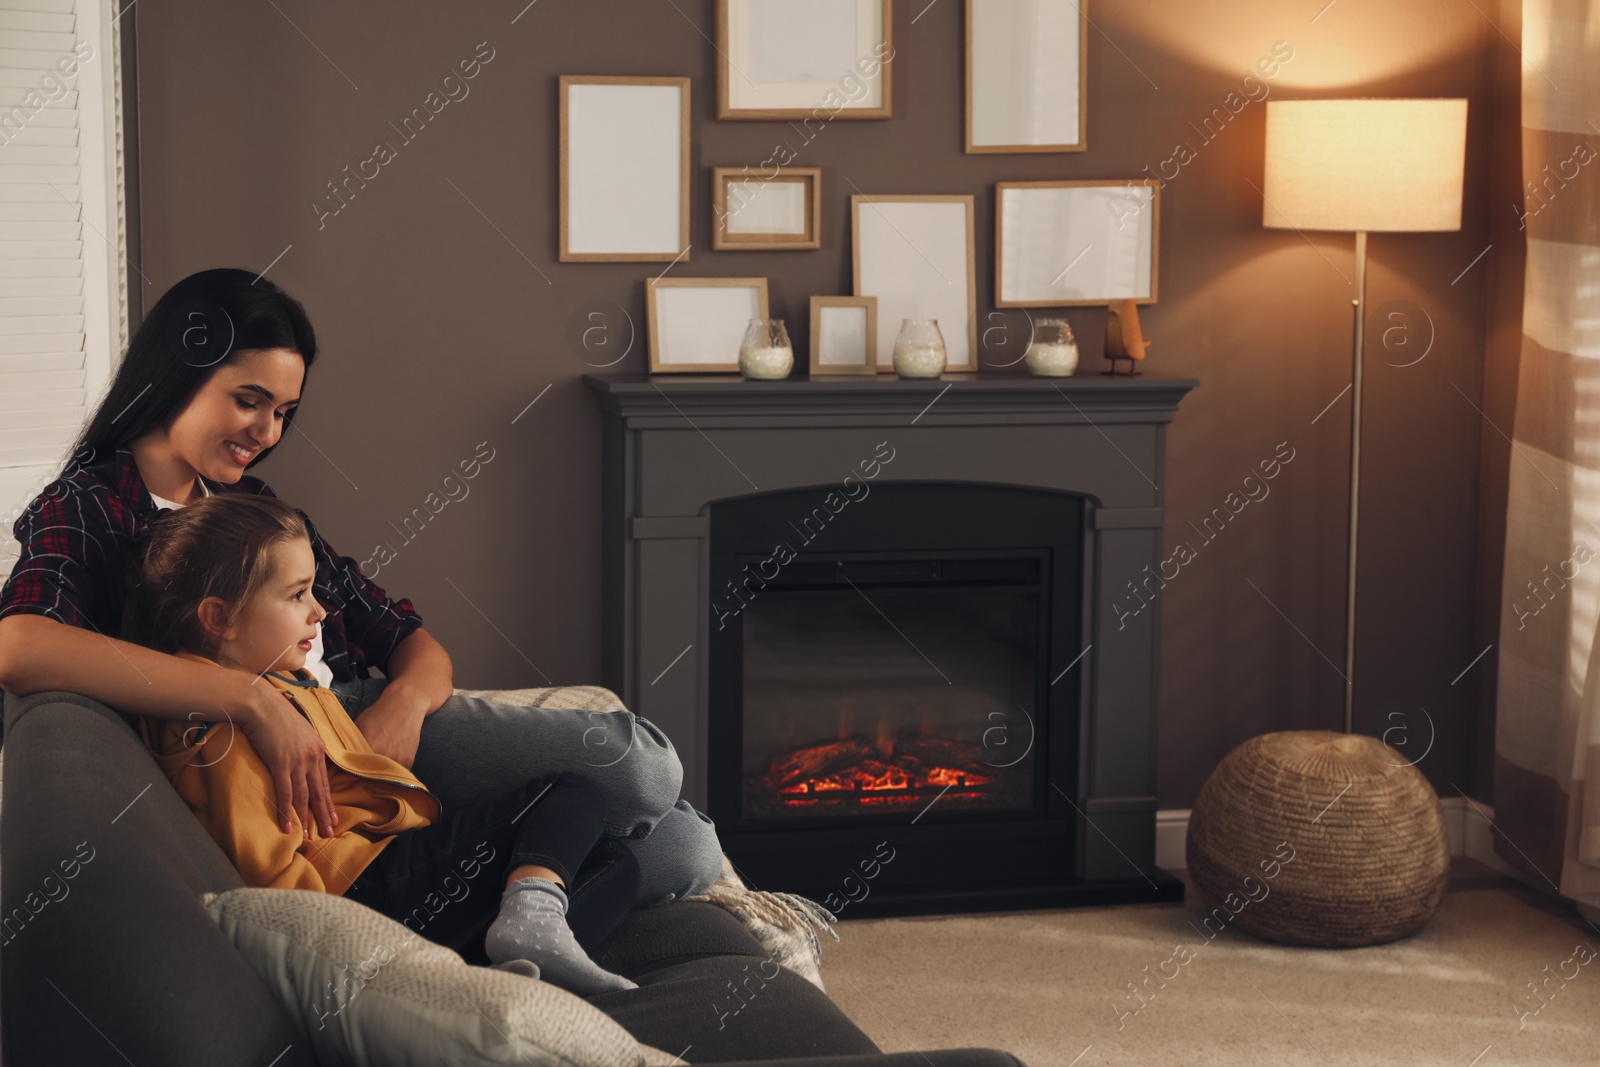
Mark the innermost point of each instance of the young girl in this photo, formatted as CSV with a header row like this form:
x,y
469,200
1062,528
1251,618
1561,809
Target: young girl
x,y
525,875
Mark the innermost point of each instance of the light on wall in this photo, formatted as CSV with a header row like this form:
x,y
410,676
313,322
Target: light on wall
x,y
1363,165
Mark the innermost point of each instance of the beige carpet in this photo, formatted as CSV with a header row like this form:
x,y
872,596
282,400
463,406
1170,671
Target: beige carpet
x,y
1051,987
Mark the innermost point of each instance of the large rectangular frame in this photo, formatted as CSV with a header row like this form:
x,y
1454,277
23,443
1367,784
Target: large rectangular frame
x,y
912,269
815,98
1059,241
1058,70
622,175
711,331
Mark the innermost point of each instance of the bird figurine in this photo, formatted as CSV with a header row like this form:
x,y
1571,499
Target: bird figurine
x,y
1124,339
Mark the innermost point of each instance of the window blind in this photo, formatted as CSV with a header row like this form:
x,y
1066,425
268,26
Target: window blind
x,y
63,264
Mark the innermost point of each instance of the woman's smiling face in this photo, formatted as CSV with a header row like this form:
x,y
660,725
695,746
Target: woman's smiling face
x,y
242,406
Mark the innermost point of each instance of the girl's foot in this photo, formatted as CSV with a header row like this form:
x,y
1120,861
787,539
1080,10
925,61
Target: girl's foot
x,y
532,925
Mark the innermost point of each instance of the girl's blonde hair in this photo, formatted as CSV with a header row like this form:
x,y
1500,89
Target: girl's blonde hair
x,y
221,546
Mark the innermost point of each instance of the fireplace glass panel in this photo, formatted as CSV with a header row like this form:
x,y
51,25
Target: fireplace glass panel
x,y
870,699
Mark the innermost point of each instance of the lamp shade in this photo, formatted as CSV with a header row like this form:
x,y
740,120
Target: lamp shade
x,y
1364,164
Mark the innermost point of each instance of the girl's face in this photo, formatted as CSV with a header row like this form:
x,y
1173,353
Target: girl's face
x,y
238,412
275,630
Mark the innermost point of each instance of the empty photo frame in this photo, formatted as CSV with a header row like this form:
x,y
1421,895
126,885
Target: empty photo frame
x,y
754,211
1026,75
804,59
1066,244
844,335
915,254
624,169
697,324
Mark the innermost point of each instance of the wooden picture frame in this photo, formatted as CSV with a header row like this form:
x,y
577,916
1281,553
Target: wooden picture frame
x,y
1022,58
697,324
1076,243
624,169
780,213
777,61
826,335
916,253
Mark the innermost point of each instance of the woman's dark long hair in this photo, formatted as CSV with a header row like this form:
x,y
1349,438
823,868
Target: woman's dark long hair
x,y
206,321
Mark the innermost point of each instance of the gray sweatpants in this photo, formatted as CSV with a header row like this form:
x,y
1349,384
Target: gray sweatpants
x,y
472,749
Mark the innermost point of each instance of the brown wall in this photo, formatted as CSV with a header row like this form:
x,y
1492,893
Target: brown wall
x,y
441,319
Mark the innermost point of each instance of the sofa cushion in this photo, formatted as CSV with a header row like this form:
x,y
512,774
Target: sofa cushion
x,y
368,990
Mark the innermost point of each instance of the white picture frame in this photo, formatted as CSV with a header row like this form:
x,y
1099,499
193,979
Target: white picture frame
x,y
844,335
1077,243
624,169
697,324
916,254
805,59
1027,75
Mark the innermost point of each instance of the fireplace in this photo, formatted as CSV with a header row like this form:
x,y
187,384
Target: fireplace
x,y
895,667
878,622
896,659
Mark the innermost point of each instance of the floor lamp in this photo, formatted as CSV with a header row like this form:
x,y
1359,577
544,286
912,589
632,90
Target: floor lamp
x,y
1363,165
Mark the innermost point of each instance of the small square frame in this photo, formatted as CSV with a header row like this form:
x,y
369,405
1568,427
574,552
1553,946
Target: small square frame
x,y
724,189
711,320
820,306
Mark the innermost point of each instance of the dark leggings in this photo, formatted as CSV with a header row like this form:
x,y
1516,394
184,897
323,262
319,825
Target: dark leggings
x,y
445,881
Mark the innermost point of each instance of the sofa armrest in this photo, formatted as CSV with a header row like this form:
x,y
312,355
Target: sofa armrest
x,y
108,956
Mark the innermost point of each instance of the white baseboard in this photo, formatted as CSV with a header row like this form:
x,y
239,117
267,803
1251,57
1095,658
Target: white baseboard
x,y
1172,830
1467,822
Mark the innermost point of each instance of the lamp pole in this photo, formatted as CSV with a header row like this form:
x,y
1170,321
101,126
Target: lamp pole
x,y
1355,482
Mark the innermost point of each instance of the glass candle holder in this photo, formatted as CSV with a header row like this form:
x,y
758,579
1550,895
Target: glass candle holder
x,y
765,354
1053,351
919,349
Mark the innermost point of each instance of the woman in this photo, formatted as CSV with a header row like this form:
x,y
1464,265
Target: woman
x,y
210,384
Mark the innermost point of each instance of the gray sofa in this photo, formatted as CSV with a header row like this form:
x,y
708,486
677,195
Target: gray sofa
x,y
121,964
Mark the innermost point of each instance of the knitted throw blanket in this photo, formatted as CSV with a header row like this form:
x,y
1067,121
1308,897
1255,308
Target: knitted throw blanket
x,y
786,924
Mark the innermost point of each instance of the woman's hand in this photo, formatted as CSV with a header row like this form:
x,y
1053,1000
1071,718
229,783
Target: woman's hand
x,y
392,724
293,751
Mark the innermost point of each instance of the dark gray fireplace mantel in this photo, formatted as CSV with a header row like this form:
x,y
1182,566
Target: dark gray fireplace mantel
x,y
674,444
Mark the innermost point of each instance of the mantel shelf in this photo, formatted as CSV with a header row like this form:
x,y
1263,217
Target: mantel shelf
x,y
845,399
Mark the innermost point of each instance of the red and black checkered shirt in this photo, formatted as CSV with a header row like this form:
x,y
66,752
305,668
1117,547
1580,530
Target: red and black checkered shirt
x,y
75,538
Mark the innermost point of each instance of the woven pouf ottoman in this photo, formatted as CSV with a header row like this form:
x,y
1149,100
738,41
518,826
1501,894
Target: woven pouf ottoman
x,y
1311,837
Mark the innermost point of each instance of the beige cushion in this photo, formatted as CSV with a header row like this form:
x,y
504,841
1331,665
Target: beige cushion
x,y
367,990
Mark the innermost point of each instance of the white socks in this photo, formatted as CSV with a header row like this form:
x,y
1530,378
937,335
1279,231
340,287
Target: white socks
x,y
532,925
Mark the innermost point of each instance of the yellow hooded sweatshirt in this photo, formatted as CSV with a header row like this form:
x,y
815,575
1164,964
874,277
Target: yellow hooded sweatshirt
x,y
218,774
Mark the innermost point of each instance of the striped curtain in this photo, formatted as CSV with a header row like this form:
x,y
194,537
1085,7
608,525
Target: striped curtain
x,y
1547,735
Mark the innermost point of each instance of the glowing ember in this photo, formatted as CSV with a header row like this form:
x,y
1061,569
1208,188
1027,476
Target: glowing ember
x,y
854,768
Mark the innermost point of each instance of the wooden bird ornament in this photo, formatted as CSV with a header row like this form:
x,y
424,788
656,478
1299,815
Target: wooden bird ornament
x,y
1124,338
